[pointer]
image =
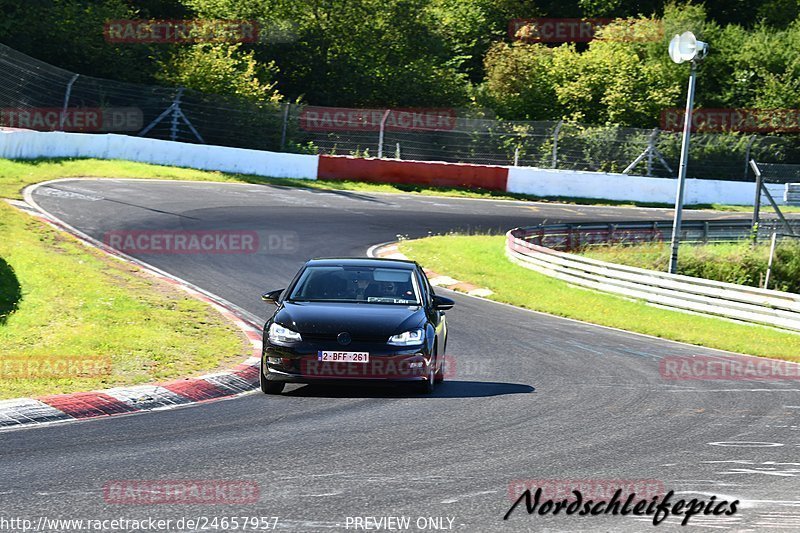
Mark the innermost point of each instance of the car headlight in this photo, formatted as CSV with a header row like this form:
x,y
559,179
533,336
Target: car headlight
x,y
278,333
407,338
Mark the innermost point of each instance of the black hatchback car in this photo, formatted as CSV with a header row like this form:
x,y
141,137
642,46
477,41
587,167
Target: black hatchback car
x,y
373,320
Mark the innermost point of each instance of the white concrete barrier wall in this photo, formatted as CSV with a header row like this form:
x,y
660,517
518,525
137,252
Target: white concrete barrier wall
x,y
33,144
609,186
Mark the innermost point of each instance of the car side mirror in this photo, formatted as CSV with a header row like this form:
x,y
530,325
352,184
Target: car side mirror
x,y
440,303
272,296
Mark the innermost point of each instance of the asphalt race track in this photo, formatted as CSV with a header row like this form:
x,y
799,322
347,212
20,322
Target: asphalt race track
x,y
534,397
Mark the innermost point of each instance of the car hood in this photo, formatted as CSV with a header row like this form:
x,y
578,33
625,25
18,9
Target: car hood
x,y
360,320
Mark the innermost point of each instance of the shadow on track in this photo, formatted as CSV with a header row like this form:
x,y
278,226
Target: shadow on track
x,y
126,203
338,192
448,389
10,291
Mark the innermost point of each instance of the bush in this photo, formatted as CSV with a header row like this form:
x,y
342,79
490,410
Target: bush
x,y
739,263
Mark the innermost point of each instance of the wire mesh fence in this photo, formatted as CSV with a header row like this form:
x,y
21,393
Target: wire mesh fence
x,y
780,173
36,95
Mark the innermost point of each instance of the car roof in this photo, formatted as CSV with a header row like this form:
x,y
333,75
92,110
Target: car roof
x,y
363,262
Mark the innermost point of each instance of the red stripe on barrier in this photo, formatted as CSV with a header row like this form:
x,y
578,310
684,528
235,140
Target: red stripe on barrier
x,y
412,172
88,404
197,390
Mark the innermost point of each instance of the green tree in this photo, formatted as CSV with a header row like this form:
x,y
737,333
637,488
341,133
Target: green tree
x,y
770,60
69,34
778,13
221,69
616,80
355,52
518,82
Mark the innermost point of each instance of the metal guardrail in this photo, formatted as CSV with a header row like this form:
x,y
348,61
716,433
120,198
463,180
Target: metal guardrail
x,y
537,248
574,236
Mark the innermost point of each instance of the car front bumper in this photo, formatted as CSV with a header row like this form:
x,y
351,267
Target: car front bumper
x,y
301,364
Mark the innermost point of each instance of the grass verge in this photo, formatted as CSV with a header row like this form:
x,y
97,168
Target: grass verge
x,y
18,174
481,260
61,299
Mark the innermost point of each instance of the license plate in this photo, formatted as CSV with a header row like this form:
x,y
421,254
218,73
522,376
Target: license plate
x,y
344,357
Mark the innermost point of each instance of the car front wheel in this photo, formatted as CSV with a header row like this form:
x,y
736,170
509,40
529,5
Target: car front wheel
x,y
269,387
426,386
440,373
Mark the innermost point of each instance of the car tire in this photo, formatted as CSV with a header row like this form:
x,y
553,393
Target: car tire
x,y
269,387
440,373
426,386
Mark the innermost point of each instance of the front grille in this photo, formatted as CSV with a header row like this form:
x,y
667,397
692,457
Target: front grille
x,y
331,337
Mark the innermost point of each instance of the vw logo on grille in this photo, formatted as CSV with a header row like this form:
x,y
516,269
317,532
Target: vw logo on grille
x,y
344,338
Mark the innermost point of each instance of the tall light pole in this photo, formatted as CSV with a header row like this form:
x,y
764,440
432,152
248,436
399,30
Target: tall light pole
x,y
682,48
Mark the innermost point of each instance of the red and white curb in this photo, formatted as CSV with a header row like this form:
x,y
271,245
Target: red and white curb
x,y
391,251
61,408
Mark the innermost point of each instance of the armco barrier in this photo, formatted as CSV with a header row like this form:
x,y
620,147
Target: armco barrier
x,y
526,180
574,236
749,304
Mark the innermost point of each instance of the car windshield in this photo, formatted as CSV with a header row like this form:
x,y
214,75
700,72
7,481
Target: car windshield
x,y
356,284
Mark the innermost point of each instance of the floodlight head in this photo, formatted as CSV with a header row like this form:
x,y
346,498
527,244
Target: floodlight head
x,y
686,47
